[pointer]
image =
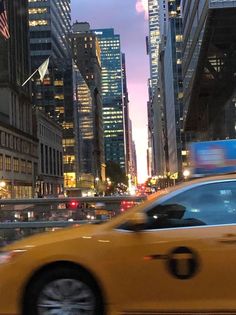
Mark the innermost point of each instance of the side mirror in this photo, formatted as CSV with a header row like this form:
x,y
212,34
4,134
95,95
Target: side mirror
x,y
137,221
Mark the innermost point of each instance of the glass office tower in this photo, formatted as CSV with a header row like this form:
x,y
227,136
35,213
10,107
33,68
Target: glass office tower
x,y
50,25
86,54
112,95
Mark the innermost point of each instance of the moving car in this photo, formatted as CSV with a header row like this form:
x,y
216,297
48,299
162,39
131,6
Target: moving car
x,y
173,254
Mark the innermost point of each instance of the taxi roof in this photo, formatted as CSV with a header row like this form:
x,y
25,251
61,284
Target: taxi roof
x,y
195,180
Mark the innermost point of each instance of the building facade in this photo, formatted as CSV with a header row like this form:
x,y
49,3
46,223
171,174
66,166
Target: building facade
x,y
209,67
50,24
87,134
71,147
130,163
87,56
134,160
18,144
157,20
112,96
50,169
167,138
50,27
173,94
154,41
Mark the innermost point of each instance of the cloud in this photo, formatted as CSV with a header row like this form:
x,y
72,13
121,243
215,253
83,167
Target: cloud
x,y
142,7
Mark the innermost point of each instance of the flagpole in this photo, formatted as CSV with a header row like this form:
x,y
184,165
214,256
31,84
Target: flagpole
x,y
30,77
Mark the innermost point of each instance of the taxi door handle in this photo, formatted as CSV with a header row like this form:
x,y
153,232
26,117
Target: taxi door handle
x,y
228,238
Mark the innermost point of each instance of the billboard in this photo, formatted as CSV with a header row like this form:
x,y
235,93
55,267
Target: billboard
x,y
213,157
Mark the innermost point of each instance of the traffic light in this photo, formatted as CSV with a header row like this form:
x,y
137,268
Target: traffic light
x,y
125,205
73,204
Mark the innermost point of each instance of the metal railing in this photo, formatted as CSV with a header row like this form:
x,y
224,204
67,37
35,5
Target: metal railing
x,y
22,217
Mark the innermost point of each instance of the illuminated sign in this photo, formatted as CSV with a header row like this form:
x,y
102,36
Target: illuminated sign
x,y
98,33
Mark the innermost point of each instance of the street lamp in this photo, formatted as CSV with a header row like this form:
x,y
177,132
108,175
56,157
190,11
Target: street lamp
x,y
2,184
186,174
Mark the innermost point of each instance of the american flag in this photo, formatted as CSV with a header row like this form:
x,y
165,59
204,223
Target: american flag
x,y
4,30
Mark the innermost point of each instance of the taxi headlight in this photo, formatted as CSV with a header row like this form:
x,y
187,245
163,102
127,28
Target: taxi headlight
x,y
6,257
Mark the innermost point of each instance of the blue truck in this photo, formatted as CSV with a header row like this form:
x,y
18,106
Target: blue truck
x,y
213,157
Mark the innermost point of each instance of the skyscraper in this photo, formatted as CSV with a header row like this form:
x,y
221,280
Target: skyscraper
x,y
130,163
128,131
173,93
50,25
173,89
87,56
156,24
112,96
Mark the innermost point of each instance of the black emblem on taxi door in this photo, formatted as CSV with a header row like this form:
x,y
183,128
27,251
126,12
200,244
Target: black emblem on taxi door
x,y
183,263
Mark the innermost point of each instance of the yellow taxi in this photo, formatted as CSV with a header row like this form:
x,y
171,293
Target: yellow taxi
x,y
173,254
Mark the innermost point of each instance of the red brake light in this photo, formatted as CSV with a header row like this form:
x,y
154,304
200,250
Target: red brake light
x,y
72,204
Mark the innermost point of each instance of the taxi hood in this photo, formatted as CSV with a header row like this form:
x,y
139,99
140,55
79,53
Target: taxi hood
x,y
66,234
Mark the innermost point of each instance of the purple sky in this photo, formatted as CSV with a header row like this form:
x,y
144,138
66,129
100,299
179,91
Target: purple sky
x,y
123,16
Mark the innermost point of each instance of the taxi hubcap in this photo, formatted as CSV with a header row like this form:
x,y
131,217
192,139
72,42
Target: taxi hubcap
x,y
67,297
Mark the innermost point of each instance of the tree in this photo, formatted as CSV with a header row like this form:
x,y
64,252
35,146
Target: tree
x,y
115,173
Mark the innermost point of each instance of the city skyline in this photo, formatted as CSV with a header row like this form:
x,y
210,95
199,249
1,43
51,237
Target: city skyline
x,y
133,29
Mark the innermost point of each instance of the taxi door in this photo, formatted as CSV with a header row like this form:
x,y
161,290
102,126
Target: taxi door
x,y
183,268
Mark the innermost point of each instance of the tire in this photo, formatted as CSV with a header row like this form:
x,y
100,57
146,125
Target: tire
x,y
63,290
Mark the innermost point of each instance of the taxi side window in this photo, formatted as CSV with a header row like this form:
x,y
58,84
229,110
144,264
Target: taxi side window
x,y
209,204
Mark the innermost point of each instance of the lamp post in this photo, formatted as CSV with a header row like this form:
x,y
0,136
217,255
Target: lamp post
x,y
186,174
108,186
96,184
108,181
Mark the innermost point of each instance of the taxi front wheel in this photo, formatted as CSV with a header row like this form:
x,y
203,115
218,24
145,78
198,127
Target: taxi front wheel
x,y
63,291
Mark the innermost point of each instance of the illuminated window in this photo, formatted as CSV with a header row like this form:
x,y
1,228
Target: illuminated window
x,y
68,159
180,95
66,125
46,81
16,165
70,179
58,83
34,23
8,163
38,10
60,109
68,142
179,38
59,97
1,162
